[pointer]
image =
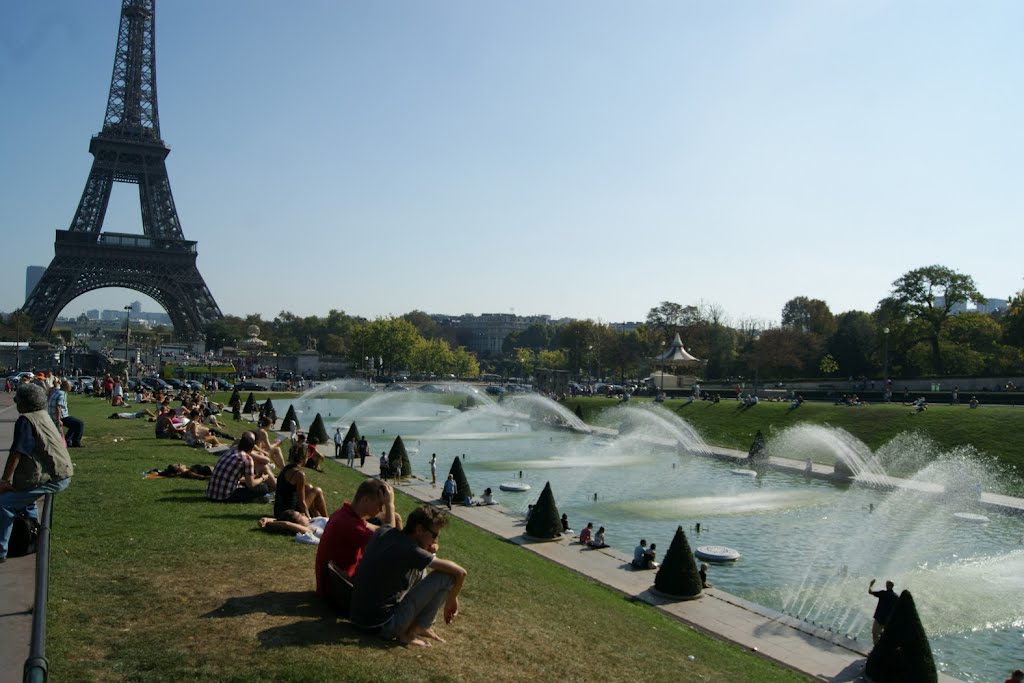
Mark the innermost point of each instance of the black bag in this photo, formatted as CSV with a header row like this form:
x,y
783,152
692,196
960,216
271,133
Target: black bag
x,y
24,533
338,588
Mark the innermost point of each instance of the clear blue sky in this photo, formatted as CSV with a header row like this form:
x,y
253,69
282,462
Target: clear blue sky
x,y
587,159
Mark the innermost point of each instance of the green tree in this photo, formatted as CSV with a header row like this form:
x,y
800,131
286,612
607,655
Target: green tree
x,y
464,363
809,315
828,365
423,323
390,340
855,345
928,295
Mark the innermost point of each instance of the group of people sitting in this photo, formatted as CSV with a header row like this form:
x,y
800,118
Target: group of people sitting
x,y
644,557
591,539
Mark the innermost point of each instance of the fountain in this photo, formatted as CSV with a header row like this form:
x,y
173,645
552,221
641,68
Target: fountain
x,y
809,545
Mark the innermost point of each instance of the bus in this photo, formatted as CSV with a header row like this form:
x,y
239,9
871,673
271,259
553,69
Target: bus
x,y
198,372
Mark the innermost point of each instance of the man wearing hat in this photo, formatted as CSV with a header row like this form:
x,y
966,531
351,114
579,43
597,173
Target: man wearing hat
x,y
38,462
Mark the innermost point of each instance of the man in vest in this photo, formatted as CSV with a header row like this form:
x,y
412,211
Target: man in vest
x,y
38,462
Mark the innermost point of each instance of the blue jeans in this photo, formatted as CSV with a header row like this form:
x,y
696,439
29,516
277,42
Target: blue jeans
x,y
13,502
420,604
74,429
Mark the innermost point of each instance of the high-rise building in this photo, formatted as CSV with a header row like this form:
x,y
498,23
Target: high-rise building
x,y
32,276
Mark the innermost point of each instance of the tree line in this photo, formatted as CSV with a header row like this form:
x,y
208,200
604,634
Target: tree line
x,y
915,331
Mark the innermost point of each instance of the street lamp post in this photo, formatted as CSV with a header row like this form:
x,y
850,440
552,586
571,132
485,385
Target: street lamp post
x,y
756,334
127,325
885,366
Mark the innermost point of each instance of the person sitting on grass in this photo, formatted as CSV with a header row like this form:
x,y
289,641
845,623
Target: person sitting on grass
x,y
313,456
974,402
392,593
294,493
234,478
263,445
350,528
920,405
166,427
197,435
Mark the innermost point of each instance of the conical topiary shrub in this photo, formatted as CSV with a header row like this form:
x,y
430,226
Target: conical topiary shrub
x,y
318,431
579,411
398,456
902,653
842,470
461,482
268,407
677,577
758,449
351,435
290,420
545,521
235,399
250,404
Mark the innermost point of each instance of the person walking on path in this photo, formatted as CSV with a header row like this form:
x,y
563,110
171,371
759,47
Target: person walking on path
x,y
886,602
433,469
449,490
364,450
339,439
350,452
38,462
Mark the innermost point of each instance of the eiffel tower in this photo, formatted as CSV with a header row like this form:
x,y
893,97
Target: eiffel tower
x,y
160,263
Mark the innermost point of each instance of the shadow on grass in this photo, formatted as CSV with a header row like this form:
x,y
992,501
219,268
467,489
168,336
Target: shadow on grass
x,y
191,497
317,624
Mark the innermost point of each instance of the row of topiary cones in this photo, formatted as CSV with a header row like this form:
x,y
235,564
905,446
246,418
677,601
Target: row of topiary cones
x,y
902,654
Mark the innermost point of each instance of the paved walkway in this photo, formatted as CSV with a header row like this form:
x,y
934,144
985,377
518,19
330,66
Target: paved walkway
x,y
788,641
17,578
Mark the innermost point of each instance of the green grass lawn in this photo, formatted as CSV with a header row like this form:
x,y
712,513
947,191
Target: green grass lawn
x,y
991,430
152,583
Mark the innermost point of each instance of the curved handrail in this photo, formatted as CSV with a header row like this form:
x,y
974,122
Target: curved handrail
x,y
37,667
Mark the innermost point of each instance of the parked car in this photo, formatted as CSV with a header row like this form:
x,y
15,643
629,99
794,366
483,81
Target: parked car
x,y
246,385
175,383
16,377
433,389
495,390
396,387
83,384
224,385
279,386
194,385
155,383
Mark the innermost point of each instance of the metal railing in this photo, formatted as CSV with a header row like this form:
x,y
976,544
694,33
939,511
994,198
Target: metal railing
x,y
37,667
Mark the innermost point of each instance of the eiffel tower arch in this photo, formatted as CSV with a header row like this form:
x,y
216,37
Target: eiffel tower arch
x,y
160,262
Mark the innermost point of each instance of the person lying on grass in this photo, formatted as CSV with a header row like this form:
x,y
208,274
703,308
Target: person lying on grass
x,y
295,493
182,471
147,413
350,528
391,593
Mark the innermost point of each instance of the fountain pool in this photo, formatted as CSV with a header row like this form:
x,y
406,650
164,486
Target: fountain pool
x,y
809,546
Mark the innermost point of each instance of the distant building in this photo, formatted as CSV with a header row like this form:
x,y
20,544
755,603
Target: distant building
x,y
33,274
989,307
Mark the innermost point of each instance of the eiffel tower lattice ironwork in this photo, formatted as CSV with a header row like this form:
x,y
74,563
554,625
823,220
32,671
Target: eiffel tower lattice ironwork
x,y
160,262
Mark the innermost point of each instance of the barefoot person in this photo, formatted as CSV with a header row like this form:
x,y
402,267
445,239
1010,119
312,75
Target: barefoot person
x,y
392,595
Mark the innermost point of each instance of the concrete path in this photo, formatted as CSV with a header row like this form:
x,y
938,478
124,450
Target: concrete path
x,y
17,578
788,641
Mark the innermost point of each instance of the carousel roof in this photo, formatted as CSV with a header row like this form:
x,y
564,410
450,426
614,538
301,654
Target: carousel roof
x,y
676,353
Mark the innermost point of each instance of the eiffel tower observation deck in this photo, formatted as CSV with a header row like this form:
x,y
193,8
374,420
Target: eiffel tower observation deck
x,y
160,262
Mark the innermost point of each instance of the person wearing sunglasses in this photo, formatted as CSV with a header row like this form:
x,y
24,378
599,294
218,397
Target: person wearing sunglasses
x,y
392,594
